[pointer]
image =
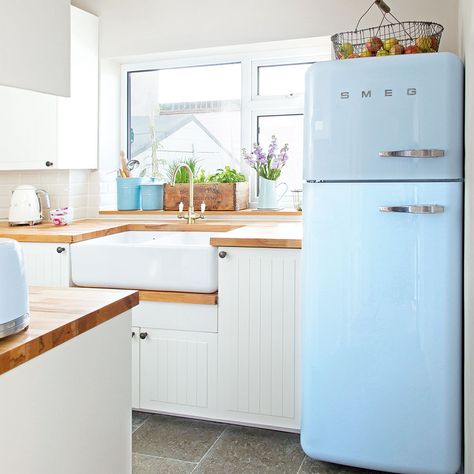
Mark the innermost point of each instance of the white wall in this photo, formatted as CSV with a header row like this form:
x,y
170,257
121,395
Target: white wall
x,y
466,48
135,27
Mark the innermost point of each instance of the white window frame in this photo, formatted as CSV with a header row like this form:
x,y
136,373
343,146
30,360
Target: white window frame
x,y
250,57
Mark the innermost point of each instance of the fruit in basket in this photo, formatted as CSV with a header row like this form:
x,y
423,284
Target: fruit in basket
x,y
374,44
424,43
412,49
434,42
382,52
396,49
353,56
389,42
365,53
346,49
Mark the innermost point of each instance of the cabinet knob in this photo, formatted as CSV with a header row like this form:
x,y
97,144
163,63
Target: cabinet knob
x,y
222,254
143,335
49,164
60,249
133,333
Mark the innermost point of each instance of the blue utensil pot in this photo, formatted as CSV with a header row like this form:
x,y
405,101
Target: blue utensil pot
x,y
152,196
128,194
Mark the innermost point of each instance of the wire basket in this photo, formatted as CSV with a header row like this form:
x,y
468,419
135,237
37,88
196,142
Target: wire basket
x,y
401,37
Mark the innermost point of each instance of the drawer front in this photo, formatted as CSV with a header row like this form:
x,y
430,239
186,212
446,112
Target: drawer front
x,y
176,316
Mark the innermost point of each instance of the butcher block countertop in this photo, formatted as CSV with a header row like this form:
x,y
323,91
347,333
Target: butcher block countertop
x,y
235,233
60,314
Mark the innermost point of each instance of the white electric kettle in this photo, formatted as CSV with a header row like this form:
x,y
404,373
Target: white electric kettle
x,y
14,316
27,207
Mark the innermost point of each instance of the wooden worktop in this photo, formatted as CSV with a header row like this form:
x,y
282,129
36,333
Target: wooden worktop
x,y
235,233
60,314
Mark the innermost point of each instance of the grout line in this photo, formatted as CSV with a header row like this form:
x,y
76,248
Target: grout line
x,y
141,424
163,457
209,450
301,465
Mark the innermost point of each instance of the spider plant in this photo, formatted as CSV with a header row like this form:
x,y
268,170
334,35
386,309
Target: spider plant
x,y
182,175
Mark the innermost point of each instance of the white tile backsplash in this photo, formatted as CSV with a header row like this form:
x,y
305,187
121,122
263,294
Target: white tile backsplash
x,y
65,187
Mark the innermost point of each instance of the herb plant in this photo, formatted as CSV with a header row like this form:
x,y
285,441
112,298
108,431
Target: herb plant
x,y
227,175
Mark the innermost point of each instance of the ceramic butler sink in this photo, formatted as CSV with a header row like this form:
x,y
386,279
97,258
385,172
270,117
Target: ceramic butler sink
x,y
144,260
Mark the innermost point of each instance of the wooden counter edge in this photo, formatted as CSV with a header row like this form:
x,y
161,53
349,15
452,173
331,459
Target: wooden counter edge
x,y
276,243
37,346
178,297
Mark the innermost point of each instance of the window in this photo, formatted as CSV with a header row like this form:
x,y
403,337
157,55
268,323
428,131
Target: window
x,y
209,107
288,129
281,79
186,113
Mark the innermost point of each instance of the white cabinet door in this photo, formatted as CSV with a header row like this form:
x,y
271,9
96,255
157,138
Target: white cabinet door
x,y
47,264
41,131
28,127
34,45
78,114
135,367
178,372
259,340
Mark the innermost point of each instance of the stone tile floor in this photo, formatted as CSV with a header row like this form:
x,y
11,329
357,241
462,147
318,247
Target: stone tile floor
x,y
172,445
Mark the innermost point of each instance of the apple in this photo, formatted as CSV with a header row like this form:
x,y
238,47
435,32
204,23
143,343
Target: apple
x,y
434,42
374,44
353,56
365,53
396,49
412,49
346,49
389,42
424,43
382,52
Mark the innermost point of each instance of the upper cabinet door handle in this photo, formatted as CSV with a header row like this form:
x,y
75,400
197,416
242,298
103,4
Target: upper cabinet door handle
x,y
421,209
412,153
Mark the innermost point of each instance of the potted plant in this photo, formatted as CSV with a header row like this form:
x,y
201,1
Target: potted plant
x,y
268,167
224,190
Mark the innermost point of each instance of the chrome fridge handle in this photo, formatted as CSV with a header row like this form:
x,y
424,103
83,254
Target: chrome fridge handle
x,y
414,209
426,153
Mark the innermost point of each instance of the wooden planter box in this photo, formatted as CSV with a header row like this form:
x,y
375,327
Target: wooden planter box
x,y
217,196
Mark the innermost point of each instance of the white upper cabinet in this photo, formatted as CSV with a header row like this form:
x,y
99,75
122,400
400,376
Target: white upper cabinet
x,y
34,45
41,131
78,114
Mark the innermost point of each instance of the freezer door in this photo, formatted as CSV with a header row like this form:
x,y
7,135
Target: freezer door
x,y
382,325
384,118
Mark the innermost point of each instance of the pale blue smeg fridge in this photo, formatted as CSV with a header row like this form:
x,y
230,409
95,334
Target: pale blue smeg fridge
x,y
382,253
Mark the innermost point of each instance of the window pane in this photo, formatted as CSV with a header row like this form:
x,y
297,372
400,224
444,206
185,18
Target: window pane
x,y
192,112
282,80
288,129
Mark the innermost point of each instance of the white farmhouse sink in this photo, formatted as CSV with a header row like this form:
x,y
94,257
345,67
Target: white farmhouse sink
x,y
144,260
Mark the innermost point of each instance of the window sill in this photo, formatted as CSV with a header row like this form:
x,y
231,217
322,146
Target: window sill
x,y
245,212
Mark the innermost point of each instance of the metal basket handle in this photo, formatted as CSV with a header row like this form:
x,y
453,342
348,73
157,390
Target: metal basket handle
x,y
383,6
385,9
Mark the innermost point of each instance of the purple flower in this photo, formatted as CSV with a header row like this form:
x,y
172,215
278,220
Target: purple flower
x,y
250,159
273,146
275,163
258,152
283,155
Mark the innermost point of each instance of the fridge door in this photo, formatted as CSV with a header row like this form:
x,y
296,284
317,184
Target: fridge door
x,y
382,325
384,118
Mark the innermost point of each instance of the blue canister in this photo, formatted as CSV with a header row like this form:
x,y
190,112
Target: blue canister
x,y
128,194
152,196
